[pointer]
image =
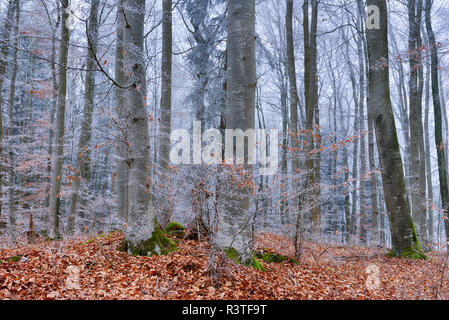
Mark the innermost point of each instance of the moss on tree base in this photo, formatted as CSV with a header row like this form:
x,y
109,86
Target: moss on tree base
x,y
233,255
409,253
158,244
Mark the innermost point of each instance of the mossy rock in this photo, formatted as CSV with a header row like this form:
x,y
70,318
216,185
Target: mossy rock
x,y
233,255
271,257
158,244
175,229
256,264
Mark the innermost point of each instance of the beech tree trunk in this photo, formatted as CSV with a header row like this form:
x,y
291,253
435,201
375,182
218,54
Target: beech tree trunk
x,y
404,238
141,212
240,114
442,162
121,149
83,157
10,132
312,112
417,176
166,96
5,38
54,231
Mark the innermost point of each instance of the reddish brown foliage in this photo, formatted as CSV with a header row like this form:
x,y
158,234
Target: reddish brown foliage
x,y
105,273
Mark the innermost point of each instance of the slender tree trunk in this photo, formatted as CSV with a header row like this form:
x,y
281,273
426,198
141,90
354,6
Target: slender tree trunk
x,y
166,95
293,93
404,239
59,132
284,208
10,131
362,137
122,150
418,190
442,172
82,173
351,222
311,95
430,213
5,38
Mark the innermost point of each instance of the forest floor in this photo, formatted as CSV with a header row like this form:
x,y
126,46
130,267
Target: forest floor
x,y
41,270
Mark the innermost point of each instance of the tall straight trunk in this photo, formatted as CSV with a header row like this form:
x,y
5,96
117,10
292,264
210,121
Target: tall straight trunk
x,y
284,208
364,200
417,181
54,98
84,149
404,239
351,221
166,95
293,93
373,182
53,231
240,114
11,166
141,212
430,214
403,110
121,149
442,165
293,88
312,112
5,38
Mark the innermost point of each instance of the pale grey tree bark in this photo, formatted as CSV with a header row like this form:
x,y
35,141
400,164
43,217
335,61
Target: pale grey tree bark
x,y
10,131
442,161
363,193
121,132
351,223
240,114
54,99
417,159
312,113
5,40
53,231
82,173
166,97
293,88
141,212
430,213
404,238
